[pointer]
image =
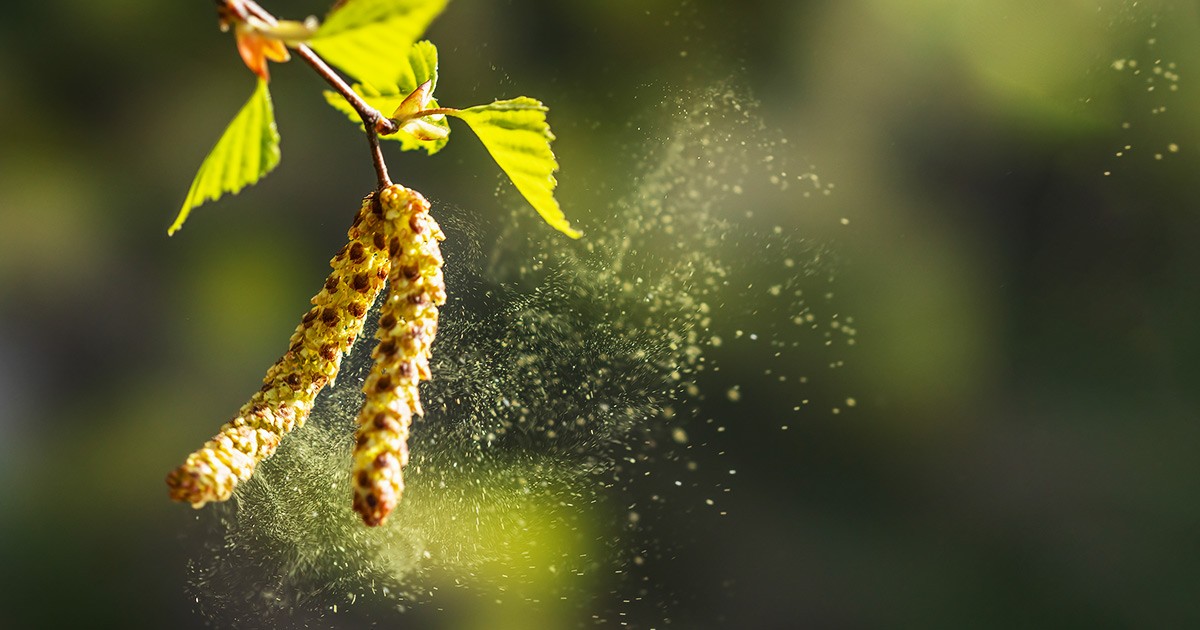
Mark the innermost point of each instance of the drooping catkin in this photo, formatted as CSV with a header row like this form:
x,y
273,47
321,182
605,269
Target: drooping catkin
x,y
407,326
314,355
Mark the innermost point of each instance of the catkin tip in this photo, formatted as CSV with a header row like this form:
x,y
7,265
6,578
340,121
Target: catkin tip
x,y
375,505
187,485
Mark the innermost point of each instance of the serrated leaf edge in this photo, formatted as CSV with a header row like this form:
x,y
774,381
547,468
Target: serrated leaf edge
x,y
203,184
550,212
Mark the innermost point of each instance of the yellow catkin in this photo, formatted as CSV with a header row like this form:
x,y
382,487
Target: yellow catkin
x,y
314,355
407,326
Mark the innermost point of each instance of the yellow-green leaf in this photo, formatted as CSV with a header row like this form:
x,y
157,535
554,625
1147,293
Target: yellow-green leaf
x,y
367,38
246,152
515,132
419,66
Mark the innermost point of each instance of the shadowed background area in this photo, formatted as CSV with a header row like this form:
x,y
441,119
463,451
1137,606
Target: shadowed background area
x,y
1012,228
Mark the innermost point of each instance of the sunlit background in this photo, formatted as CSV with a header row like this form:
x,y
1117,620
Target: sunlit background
x,y
995,202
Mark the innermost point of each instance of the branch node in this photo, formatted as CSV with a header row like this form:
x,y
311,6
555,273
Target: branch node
x,y
386,126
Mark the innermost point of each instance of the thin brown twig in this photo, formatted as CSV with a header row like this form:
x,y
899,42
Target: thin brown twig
x,y
372,118
381,171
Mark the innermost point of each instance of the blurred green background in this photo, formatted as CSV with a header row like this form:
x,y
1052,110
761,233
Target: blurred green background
x,y
1020,260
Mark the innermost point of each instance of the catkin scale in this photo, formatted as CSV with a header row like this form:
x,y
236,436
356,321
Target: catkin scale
x,y
407,326
313,358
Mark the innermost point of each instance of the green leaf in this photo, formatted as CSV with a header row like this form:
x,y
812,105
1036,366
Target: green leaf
x,y
419,66
366,38
246,152
516,134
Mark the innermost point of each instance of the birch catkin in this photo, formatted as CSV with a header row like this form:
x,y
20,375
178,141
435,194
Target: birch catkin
x,y
407,326
326,331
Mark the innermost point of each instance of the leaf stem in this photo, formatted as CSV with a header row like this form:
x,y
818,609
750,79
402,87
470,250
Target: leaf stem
x,y
374,122
444,111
